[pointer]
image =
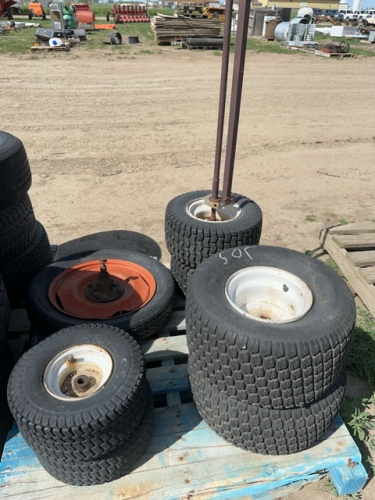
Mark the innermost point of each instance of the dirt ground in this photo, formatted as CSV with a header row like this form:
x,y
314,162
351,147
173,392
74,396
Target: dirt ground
x,y
112,140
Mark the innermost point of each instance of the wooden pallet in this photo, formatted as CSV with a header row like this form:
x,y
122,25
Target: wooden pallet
x,y
352,247
47,48
332,54
185,459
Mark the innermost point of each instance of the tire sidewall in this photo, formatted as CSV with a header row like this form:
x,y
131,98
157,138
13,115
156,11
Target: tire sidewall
x,y
43,313
127,368
250,214
333,304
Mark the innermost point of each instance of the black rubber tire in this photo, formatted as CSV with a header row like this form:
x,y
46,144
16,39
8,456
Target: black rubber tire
x,y
273,365
6,359
19,271
181,274
116,38
4,313
114,465
15,173
190,240
115,239
262,430
117,18
17,228
86,428
140,324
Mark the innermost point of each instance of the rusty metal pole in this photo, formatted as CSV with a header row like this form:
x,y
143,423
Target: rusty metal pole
x,y
235,103
222,97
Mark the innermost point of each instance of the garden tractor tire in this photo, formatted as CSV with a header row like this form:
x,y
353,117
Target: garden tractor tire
x,y
80,393
191,238
268,325
263,430
15,173
49,312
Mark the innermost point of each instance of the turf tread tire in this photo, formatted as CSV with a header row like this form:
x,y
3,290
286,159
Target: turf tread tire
x,y
19,271
17,228
273,365
95,425
15,173
181,274
262,430
114,465
190,241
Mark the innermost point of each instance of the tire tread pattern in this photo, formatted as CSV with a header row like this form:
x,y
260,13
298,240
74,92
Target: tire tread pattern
x,y
262,430
88,434
190,241
110,467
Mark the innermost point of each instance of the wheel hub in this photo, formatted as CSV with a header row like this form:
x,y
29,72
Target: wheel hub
x,y
201,210
268,294
77,372
100,290
105,289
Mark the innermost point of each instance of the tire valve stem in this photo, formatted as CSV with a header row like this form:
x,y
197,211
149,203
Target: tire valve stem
x,y
70,359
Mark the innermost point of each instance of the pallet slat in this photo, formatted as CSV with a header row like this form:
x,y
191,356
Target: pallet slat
x,y
351,241
338,242
365,258
368,274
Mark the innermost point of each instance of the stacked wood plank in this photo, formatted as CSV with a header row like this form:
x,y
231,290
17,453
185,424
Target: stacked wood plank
x,y
169,28
352,247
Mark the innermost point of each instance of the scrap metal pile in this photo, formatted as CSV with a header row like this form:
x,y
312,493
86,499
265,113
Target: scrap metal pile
x,y
169,28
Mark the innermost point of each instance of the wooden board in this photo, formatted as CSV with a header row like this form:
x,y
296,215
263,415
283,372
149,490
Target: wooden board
x,y
47,48
352,247
185,459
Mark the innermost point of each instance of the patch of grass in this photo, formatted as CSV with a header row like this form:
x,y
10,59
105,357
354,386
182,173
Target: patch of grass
x,y
145,52
310,218
344,221
361,359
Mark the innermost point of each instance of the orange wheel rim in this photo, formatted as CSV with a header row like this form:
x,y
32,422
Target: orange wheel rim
x,y
78,291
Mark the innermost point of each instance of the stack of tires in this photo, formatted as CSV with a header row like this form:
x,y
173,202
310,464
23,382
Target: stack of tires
x,y
82,403
24,244
268,331
191,237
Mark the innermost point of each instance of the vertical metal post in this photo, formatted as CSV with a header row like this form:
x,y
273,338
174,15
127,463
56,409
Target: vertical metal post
x,y
222,97
235,104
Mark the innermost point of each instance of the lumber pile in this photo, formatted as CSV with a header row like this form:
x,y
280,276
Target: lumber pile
x,y
169,28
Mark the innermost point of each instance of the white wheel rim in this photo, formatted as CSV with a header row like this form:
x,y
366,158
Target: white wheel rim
x,y
77,372
199,210
268,294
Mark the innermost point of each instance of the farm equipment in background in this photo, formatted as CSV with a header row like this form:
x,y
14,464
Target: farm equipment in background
x,y
83,13
129,13
214,12
36,10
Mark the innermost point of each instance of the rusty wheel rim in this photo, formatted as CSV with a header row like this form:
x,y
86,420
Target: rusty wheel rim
x,y
77,372
269,294
102,290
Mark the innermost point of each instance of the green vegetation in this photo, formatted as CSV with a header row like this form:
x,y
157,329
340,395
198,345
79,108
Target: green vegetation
x,y
20,41
358,412
310,218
